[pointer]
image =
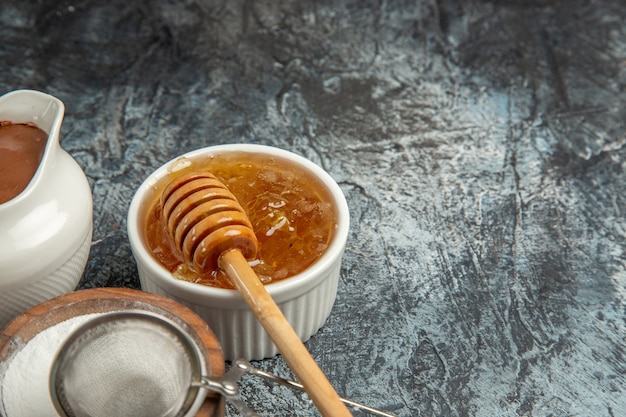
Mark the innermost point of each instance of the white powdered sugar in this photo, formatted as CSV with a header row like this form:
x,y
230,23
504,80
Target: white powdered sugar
x,y
24,389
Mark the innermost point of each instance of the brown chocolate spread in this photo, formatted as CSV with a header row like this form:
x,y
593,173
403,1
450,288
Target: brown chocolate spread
x,y
21,149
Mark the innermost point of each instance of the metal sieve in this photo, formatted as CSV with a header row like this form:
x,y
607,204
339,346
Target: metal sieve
x,y
133,363
140,364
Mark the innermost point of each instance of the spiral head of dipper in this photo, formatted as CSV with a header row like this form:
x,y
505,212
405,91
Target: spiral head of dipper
x,y
204,219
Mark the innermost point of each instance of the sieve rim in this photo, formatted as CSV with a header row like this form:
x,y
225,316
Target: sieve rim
x,y
199,362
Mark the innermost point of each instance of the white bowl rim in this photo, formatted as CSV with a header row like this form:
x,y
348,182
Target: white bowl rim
x,y
282,290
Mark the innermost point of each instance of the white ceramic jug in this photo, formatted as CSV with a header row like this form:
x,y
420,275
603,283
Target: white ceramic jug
x,y
45,231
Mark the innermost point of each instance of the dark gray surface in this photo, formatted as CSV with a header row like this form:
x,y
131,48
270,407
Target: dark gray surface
x,y
480,146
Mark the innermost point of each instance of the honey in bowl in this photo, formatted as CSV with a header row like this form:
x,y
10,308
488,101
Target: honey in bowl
x,y
289,208
21,148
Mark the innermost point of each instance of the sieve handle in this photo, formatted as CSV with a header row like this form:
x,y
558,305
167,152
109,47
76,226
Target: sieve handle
x,y
228,388
247,367
315,383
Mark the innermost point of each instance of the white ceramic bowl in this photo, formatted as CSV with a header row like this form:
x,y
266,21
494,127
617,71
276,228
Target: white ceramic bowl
x,y
306,299
45,231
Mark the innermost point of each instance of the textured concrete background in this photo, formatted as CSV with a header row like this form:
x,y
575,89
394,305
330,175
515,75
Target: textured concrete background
x,y
480,145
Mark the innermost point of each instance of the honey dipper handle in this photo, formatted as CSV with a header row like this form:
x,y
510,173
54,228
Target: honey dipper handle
x,y
315,383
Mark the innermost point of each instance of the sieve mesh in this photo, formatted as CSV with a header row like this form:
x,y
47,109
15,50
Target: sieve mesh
x,y
125,364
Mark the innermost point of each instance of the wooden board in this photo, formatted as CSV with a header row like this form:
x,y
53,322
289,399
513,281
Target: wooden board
x,y
103,300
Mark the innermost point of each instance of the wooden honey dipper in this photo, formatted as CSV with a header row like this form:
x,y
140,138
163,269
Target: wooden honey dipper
x,y
211,229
